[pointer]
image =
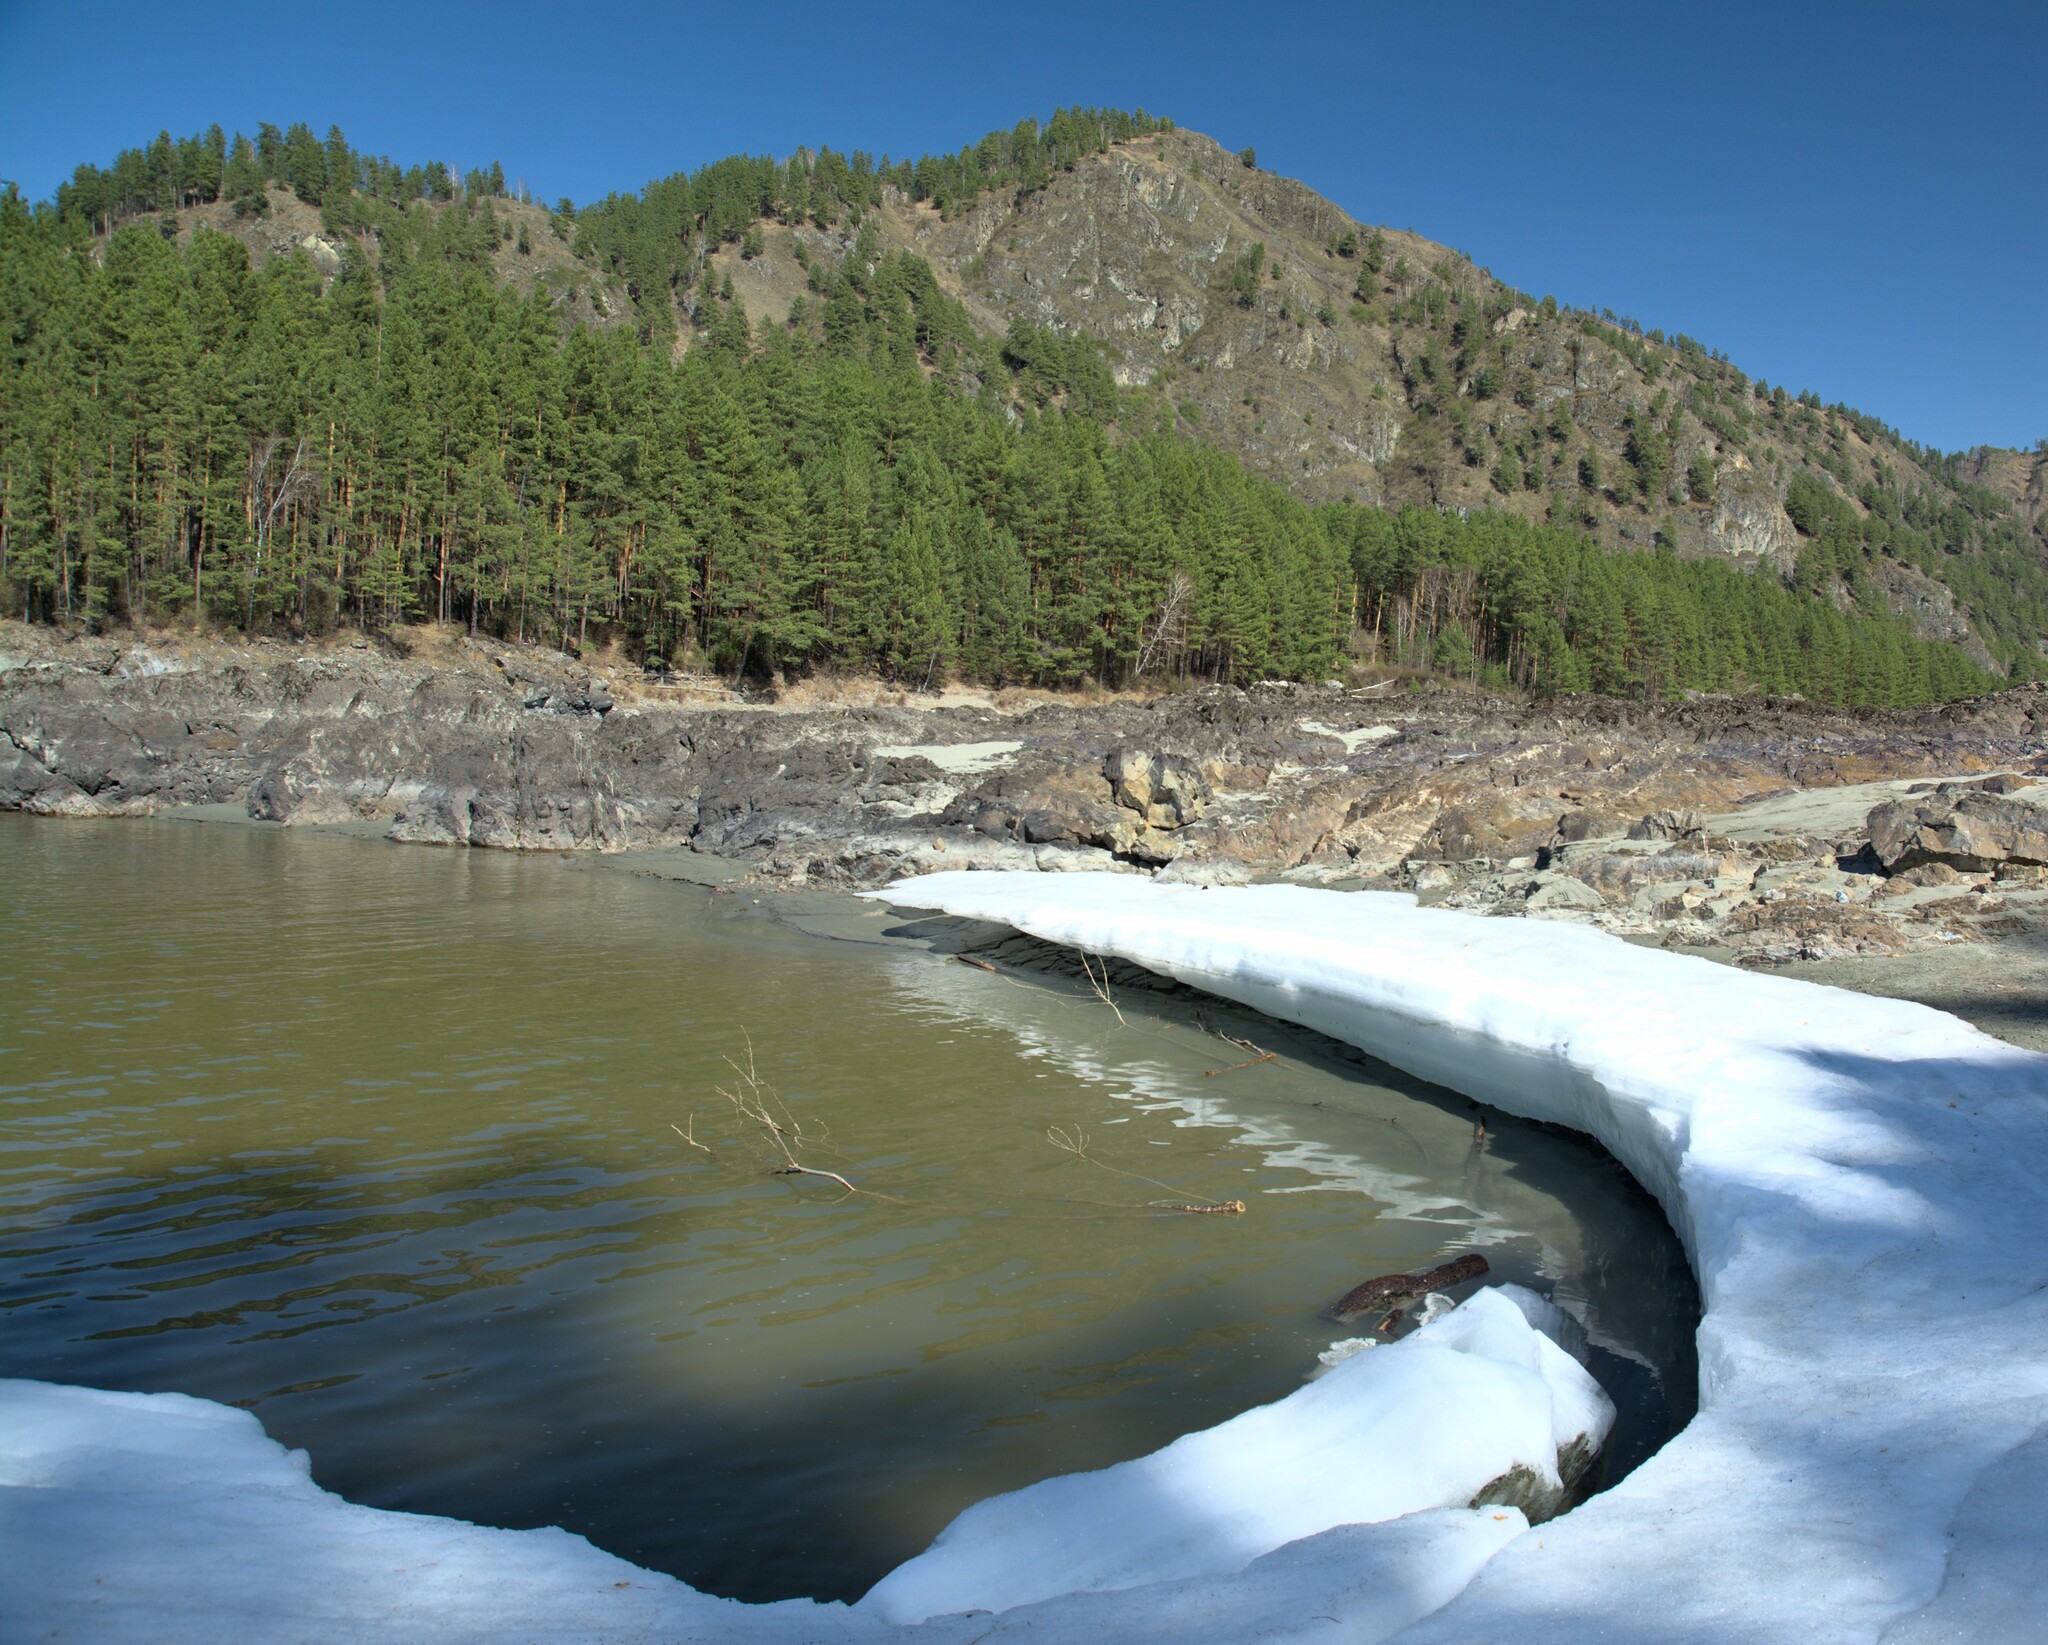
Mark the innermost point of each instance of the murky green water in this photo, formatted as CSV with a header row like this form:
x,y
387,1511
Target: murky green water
x,y
377,1141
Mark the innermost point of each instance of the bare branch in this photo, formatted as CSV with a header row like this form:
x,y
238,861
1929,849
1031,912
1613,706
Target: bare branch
x,y
757,1103
1101,988
1075,1142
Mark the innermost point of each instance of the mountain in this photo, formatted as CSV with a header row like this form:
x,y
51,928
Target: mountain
x,y
1087,400
1353,361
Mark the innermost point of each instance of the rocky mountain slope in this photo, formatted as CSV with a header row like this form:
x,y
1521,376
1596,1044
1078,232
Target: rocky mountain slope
x,y
1372,364
1349,362
520,243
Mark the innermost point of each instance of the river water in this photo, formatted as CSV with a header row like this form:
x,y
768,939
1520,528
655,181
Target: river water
x,y
382,1143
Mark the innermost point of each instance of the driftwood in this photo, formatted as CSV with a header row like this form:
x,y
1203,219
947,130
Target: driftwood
x,y
1377,1293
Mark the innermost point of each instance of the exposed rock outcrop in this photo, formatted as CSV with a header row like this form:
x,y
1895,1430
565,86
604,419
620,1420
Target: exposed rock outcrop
x,y
1610,813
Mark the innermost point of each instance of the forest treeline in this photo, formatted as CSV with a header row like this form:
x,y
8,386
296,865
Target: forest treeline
x,y
871,485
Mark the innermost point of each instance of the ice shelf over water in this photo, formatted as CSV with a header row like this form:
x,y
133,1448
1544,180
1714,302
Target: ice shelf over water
x,y
1860,1183
1427,1423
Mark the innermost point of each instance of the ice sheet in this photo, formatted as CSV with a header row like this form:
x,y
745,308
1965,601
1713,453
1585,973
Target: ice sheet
x,y
159,1519
1425,1424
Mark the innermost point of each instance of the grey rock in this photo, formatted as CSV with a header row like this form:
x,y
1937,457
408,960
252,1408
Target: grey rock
x,y
1969,829
1669,825
1562,891
1524,1488
1165,791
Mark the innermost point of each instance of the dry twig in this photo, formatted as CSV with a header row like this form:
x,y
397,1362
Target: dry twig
x,y
756,1102
1257,1056
1101,988
1075,1142
688,1134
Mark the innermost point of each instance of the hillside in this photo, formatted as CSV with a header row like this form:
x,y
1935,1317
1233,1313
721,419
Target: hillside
x,y
1368,363
483,231
1076,403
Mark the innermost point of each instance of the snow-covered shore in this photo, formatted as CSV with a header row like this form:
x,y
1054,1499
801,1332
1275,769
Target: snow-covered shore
x,y
1859,1181
1862,1185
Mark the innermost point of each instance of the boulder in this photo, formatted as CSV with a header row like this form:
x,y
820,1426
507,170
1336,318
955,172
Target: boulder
x,y
1562,891
1063,820
1968,829
1588,823
1165,791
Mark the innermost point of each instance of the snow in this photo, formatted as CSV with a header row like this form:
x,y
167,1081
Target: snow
x,y
1355,739
954,758
1858,1181
160,1519
1426,1424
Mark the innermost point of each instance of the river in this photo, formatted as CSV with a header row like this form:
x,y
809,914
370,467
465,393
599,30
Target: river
x,y
422,1156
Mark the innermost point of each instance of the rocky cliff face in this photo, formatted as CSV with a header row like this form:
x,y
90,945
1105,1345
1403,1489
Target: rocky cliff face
x,y
2021,477
578,294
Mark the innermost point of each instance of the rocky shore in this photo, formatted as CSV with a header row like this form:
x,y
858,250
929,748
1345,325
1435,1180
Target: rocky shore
x,y
1771,833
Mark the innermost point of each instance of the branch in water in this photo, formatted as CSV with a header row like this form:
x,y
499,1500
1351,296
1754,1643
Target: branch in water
x,y
1075,1142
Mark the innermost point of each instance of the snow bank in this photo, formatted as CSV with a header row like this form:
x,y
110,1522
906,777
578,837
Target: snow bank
x,y
1860,1183
159,1519
1427,1423
156,1517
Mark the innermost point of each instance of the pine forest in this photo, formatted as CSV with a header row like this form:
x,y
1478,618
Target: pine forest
x,y
190,435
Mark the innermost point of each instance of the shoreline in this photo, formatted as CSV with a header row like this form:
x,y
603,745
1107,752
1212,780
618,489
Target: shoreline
x,y
1733,828
1827,1161
1831,1165
1999,987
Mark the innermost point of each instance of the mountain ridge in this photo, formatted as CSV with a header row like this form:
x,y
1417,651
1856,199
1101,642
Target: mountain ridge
x,y
1351,336
1139,271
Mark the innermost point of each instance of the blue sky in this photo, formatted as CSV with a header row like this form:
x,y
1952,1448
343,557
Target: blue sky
x,y
1848,198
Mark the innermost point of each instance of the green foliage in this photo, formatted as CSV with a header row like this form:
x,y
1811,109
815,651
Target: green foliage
x,y
419,442
1248,157
1242,280
1700,479
656,240
872,485
1553,612
1649,454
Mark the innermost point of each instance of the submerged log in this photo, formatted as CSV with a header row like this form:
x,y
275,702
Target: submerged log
x,y
1377,1293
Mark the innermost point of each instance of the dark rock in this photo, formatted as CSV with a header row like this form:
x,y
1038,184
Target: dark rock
x,y
908,772
1218,784
1525,1488
1586,824
1455,839
1046,827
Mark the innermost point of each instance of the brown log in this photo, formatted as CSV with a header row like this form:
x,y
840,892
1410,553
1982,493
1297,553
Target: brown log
x,y
1377,1293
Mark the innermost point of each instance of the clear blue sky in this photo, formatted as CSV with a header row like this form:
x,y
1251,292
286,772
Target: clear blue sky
x,y
1849,198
